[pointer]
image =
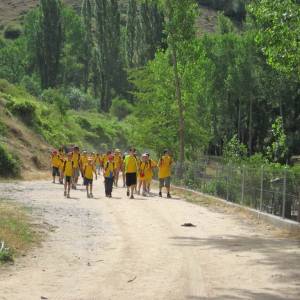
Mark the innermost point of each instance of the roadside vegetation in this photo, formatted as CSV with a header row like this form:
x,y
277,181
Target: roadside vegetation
x,y
16,232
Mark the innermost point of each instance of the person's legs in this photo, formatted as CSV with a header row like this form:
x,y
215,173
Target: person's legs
x,y
111,183
132,187
139,186
161,185
91,190
69,188
144,188
168,186
66,184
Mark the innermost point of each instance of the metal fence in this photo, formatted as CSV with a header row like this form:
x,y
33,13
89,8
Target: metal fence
x,y
274,191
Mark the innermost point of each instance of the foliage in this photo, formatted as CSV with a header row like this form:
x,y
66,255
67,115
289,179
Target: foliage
x,y
121,108
79,100
277,151
54,96
13,61
32,85
25,110
9,164
278,23
234,150
13,31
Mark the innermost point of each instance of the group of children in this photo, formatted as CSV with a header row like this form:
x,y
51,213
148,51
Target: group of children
x,y
137,172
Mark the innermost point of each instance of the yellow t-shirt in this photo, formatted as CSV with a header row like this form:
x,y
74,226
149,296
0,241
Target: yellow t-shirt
x,y
68,168
55,161
131,164
149,170
83,161
98,160
89,171
75,159
144,170
164,166
118,162
109,169
62,163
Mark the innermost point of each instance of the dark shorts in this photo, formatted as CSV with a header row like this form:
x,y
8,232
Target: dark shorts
x,y
68,179
55,171
131,179
88,181
165,182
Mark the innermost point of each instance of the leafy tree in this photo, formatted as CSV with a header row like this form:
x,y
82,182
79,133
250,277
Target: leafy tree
x,y
277,151
131,33
86,13
278,23
49,41
13,60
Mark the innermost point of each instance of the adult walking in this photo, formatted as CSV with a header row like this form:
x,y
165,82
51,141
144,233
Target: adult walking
x,y
131,169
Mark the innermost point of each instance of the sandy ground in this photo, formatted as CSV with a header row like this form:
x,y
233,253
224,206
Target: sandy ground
x,y
137,249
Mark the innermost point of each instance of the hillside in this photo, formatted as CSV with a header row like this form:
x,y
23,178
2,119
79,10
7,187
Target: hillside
x,y
13,11
29,125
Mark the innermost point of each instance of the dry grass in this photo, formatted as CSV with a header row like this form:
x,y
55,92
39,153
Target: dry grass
x,y
15,230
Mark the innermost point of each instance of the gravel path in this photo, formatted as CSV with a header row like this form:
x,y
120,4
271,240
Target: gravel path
x,y
137,250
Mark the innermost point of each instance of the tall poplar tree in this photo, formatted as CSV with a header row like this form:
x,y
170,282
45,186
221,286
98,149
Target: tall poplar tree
x,y
50,41
131,33
88,39
180,28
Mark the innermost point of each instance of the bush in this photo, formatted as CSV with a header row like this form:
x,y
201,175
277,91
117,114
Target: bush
x,y
79,100
31,85
9,165
25,110
13,31
55,97
120,108
3,129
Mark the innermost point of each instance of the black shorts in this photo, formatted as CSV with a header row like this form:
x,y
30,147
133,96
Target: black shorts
x,y
68,179
55,171
88,181
131,179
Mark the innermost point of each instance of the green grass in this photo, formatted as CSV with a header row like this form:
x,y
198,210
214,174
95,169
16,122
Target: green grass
x,y
15,231
87,129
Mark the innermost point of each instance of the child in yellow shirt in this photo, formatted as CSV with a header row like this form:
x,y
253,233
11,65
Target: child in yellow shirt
x,y
68,170
89,171
109,172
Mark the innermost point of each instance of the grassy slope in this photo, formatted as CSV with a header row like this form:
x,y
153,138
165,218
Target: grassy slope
x,y
31,142
16,231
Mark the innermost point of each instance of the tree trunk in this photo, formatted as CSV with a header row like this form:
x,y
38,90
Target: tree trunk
x,y
180,111
239,121
250,125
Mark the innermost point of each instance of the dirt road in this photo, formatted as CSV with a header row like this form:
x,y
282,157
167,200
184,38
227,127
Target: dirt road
x,y
137,250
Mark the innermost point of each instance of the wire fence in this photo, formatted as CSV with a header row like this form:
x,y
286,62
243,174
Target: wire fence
x,y
274,191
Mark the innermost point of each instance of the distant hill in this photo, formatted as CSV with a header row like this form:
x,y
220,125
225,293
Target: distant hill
x,y
13,11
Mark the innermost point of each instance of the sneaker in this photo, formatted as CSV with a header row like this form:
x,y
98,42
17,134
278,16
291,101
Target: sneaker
x,y
144,194
88,195
128,194
91,195
169,196
131,197
68,196
109,196
65,193
160,194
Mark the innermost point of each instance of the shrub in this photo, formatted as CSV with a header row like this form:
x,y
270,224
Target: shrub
x,y
120,108
25,110
9,165
55,97
3,129
79,100
12,31
84,123
31,85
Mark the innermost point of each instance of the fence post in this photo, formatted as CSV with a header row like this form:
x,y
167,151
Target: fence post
x,y
261,188
243,184
284,193
227,184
